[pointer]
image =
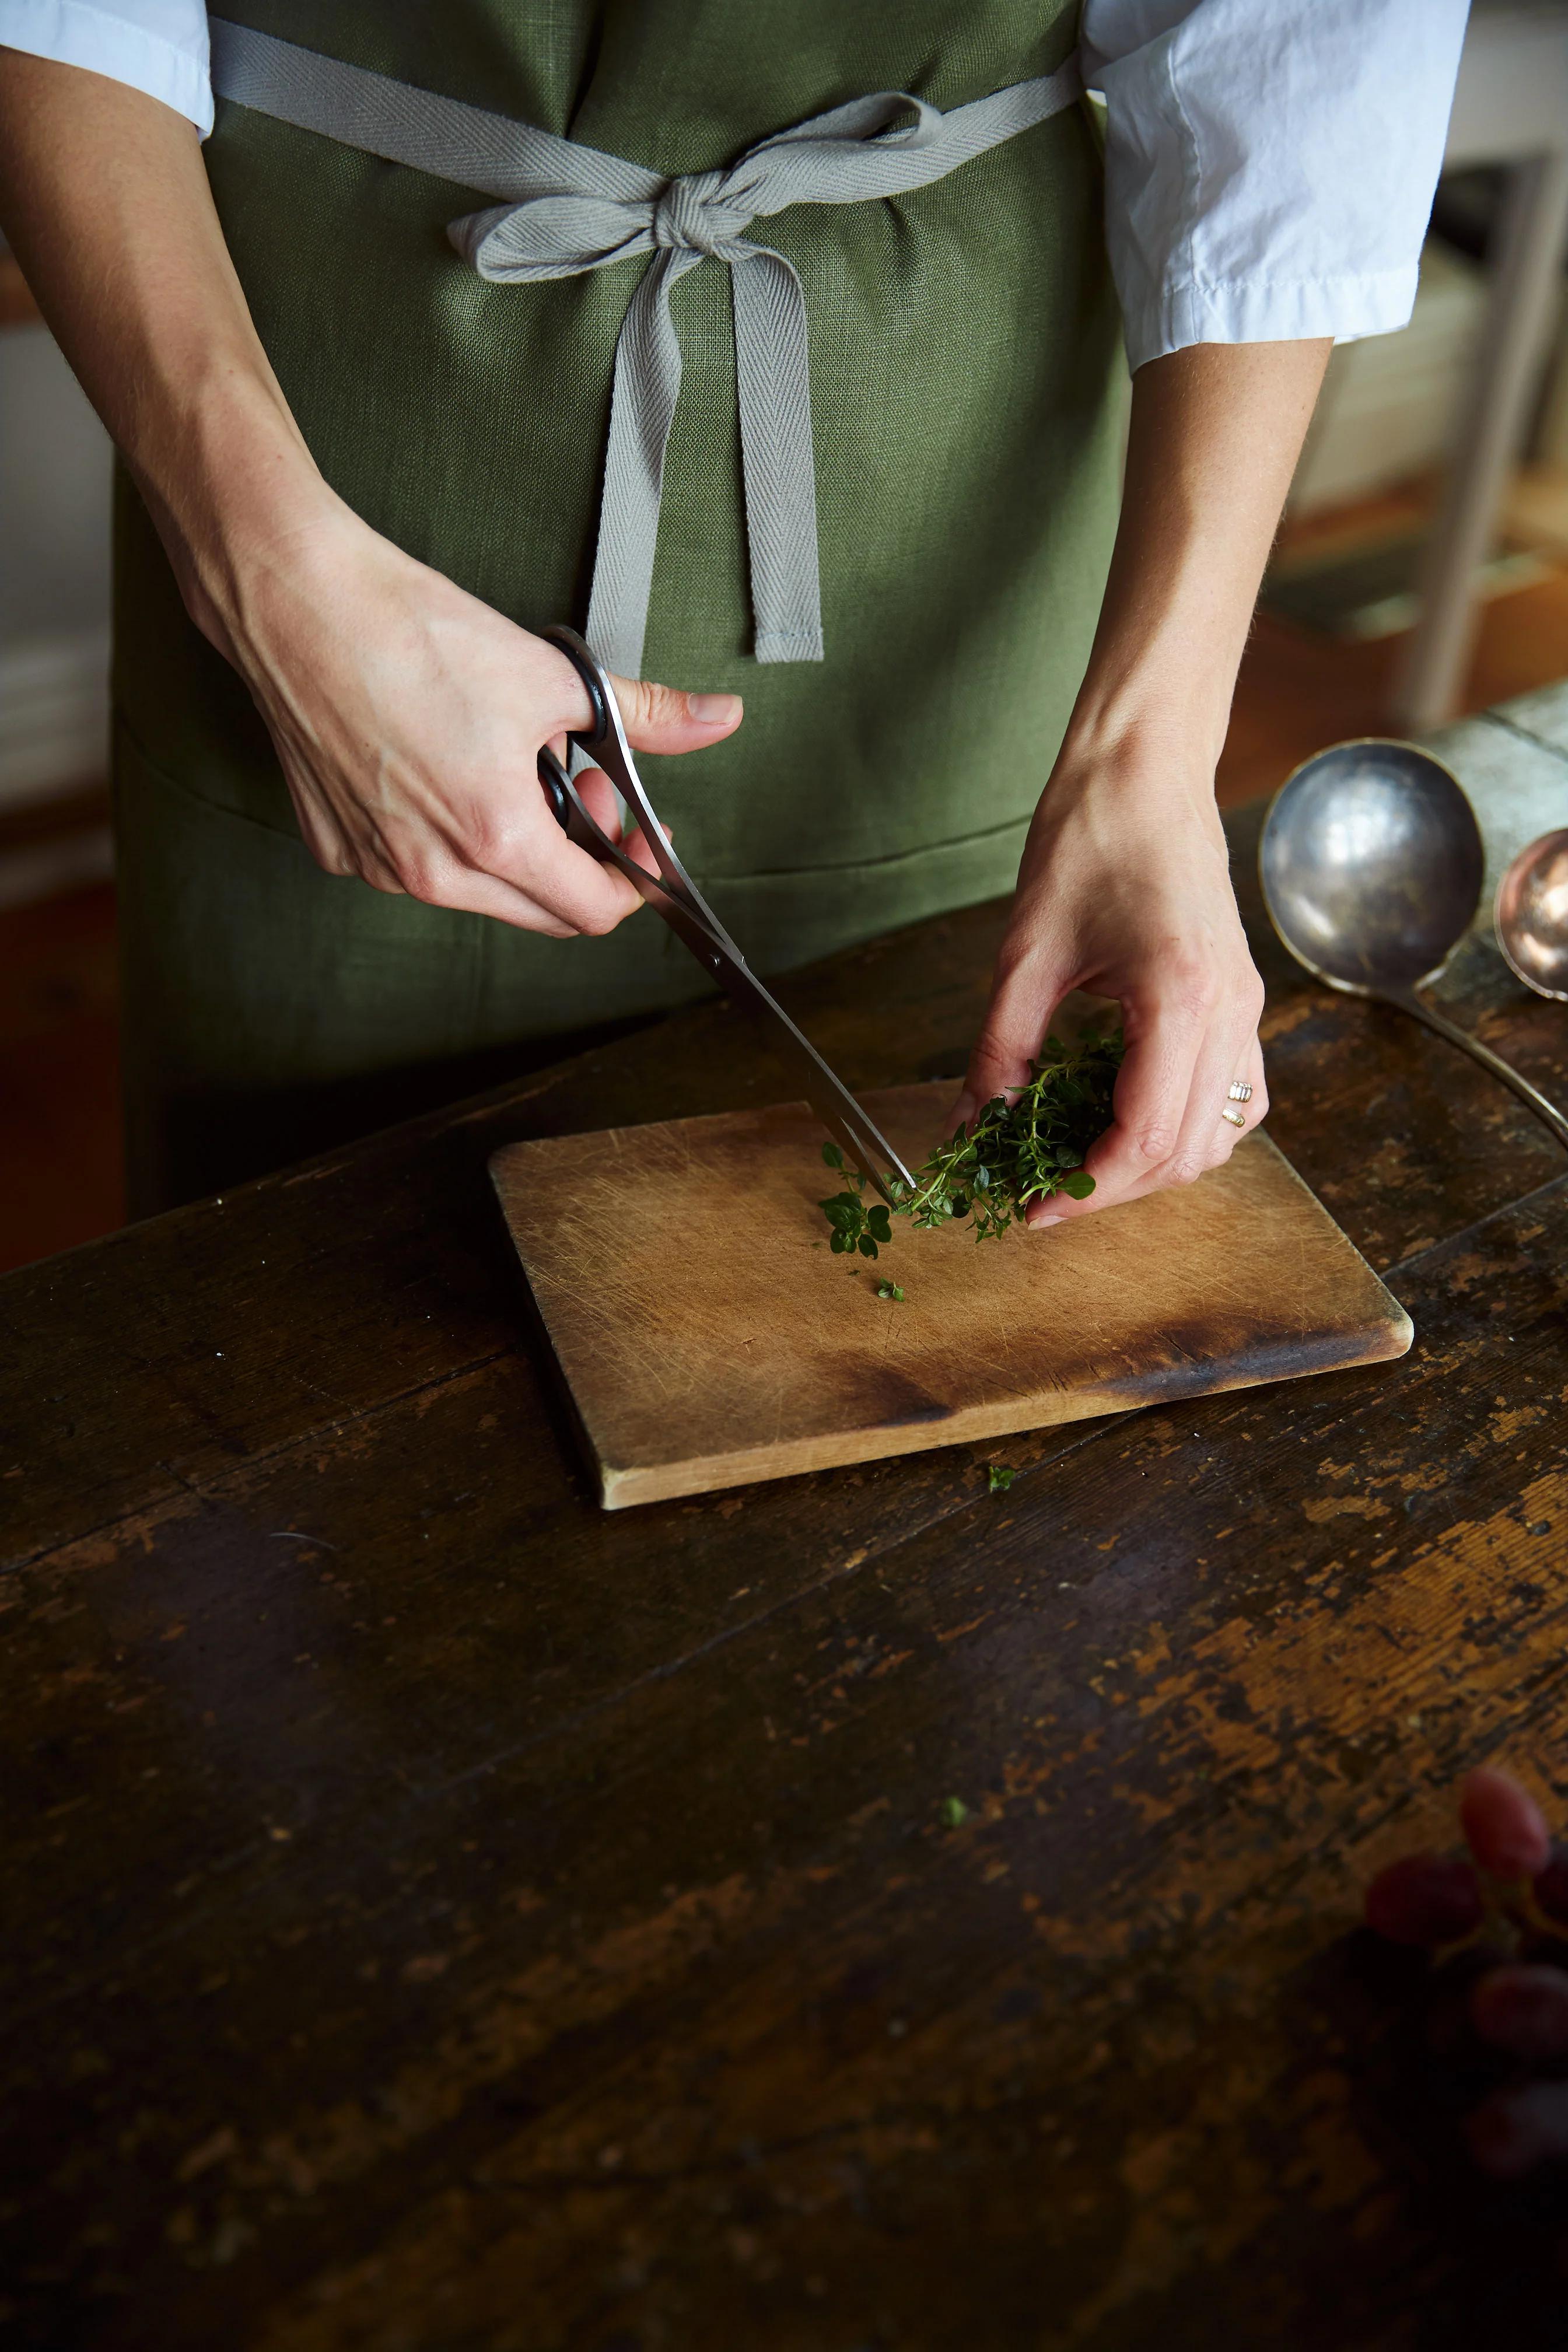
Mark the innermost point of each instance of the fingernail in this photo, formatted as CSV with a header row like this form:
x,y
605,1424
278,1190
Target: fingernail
x,y
963,1109
714,709
1039,1222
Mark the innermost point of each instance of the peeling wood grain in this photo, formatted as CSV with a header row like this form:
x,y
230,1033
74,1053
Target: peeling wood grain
x,y
1143,1856
441,1917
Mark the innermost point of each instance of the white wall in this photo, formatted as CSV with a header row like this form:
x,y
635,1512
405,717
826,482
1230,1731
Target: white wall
x,y
54,573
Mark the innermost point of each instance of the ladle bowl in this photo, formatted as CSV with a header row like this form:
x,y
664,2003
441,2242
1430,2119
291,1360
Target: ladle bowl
x,y
1370,862
1530,915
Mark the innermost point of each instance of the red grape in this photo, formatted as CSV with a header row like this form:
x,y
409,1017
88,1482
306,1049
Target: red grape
x,y
1523,2009
1551,1887
1515,2130
1424,1898
1503,1824
1450,2034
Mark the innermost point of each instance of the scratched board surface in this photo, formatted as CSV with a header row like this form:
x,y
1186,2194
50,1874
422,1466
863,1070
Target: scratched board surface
x,y
710,1337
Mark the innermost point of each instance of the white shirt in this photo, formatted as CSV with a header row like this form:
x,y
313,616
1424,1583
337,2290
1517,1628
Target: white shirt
x,y
1270,163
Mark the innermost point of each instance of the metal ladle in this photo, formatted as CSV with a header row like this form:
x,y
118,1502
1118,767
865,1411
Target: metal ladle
x,y
1371,863
1530,914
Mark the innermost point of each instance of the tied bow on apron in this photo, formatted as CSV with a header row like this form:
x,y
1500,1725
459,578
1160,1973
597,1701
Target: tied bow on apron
x,y
566,208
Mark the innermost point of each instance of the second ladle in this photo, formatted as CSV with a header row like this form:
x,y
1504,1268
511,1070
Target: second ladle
x,y
1370,862
1530,915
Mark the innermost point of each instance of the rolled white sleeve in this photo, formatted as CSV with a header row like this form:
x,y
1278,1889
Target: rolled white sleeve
x,y
156,45
1270,163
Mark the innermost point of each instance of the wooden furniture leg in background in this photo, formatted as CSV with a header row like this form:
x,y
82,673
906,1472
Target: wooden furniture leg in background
x,y
1511,109
1531,237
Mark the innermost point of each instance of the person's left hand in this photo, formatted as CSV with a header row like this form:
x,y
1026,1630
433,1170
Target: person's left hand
x,y
1124,890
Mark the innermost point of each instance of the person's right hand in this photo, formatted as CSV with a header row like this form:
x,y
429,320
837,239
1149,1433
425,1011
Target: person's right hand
x,y
408,717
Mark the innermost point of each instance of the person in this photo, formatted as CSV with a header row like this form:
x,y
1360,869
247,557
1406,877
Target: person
x,y
363,410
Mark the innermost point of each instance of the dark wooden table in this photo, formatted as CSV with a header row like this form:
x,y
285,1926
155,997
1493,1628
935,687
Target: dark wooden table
x,y
440,1915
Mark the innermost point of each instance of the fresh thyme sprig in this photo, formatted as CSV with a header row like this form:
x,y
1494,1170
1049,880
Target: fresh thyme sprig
x,y
1009,1156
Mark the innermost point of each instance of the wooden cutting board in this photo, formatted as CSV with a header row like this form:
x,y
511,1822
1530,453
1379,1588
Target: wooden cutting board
x,y
709,1337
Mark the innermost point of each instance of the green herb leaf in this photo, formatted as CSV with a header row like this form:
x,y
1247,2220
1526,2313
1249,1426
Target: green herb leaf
x,y
999,1477
1000,1162
889,1290
953,1812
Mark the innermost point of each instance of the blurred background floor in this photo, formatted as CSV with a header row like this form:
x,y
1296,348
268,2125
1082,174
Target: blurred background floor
x,y
59,1078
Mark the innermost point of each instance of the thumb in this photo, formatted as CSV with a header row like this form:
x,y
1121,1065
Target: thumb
x,y
663,718
1017,1018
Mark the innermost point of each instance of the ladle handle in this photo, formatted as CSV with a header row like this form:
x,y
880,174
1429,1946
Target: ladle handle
x,y
1408,1002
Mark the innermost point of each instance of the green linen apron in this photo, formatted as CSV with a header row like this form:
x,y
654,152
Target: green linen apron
x,y
964,366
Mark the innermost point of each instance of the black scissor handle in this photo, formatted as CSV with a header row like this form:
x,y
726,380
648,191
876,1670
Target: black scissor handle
x,y
602,732
552,780
604,745
567,809
599,744
556,783
669,892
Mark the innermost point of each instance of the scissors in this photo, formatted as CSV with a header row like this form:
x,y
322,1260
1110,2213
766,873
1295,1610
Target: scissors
x,y
672,892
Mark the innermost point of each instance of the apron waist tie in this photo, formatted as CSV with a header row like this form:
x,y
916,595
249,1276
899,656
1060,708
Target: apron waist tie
x,y
567,208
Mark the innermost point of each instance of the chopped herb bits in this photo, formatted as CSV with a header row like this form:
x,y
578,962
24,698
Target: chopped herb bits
x,y
995,1168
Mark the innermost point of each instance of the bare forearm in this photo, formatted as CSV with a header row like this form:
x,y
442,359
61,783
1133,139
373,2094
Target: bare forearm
x,y
1215,434
407,717
105,201
1124,887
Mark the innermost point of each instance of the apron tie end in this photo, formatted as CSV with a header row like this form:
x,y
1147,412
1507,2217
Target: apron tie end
x,y
780,645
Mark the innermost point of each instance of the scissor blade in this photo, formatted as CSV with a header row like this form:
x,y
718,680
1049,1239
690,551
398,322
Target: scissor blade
x,y
677,897
860,1151
851,1129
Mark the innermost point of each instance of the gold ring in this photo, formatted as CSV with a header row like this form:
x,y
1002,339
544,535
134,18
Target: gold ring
x,y
1235,1118
1239,1091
